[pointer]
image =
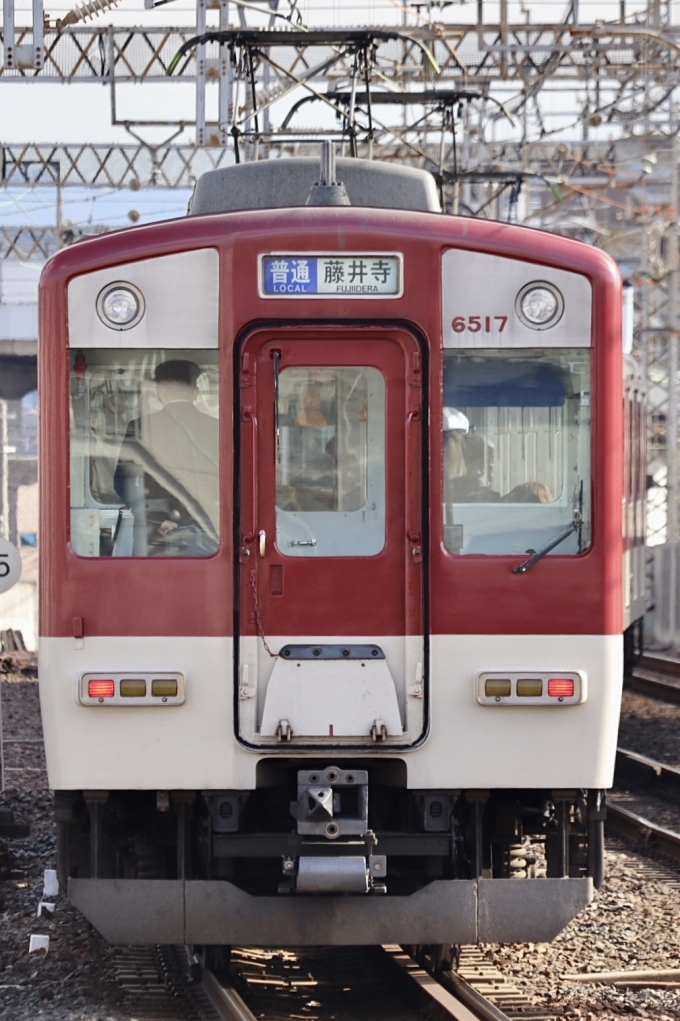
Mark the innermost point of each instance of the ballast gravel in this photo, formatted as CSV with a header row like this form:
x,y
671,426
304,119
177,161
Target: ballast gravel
x,y
650,727
634,922
74,980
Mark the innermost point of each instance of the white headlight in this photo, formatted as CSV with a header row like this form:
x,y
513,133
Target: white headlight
x,y
120,306
539,305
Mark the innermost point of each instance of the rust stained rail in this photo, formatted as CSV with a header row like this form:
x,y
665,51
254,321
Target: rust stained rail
x,y
646,773
658,676
643,831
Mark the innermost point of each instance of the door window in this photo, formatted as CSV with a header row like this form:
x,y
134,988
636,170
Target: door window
x,y
330,461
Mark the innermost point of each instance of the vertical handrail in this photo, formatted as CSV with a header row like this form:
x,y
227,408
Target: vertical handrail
x,y
249,416
411,534
276,358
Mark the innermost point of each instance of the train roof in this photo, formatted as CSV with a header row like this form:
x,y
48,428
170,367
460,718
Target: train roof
x,y
277,183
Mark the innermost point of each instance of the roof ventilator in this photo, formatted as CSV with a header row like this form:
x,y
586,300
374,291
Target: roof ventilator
x,y
327,191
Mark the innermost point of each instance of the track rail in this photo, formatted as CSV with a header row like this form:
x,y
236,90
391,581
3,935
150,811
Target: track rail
x,y
657,675
460,999
227,1003
641,771
270,990
647,777
471,998
643,831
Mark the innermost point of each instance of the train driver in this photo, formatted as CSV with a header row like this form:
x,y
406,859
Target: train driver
x,y
167,472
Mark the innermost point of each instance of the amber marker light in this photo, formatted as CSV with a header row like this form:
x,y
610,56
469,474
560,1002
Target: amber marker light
x,y
133,688
101,689
497,688
561,687
530,688
164,688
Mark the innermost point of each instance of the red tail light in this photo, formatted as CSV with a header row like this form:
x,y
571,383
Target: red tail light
x,y
561,687
101,689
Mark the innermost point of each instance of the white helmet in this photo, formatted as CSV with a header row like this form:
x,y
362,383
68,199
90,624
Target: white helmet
x,y
455,420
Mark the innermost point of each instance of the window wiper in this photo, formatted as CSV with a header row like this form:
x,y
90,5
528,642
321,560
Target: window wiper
x,y
575,526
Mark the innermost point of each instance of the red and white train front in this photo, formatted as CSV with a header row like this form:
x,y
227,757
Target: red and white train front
x,y
331,621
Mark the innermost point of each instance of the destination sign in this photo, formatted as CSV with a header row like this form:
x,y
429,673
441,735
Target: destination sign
x,y
331,276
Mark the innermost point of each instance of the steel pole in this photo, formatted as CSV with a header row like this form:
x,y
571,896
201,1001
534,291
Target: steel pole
x,y
672,421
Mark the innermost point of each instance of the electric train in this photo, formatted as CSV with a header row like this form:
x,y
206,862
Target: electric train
x,y
332,593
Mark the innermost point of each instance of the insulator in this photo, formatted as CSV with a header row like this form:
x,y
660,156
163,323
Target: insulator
x,y
83,11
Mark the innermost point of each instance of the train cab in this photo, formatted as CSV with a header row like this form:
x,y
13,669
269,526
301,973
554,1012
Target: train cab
x,y
331,620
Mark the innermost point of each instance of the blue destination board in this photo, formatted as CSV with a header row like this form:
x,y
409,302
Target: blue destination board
x,y
340,276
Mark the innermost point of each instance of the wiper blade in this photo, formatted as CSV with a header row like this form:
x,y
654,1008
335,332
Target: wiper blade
x,y
575,526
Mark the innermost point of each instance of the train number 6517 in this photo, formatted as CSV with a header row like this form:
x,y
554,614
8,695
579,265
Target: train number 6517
x,y
476,323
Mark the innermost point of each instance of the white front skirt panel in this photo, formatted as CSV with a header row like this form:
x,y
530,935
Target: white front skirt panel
x,y
489,746
193,746
140,747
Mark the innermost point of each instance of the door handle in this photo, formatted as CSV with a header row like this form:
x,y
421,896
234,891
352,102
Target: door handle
x,y
262,541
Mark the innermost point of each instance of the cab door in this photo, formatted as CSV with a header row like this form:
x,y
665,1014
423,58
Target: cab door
x,y
331,622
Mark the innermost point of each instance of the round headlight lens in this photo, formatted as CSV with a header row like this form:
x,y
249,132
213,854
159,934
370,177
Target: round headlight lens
x,y
120,306
539,305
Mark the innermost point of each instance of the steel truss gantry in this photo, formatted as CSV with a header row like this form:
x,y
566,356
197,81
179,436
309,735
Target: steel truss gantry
x,y
625,69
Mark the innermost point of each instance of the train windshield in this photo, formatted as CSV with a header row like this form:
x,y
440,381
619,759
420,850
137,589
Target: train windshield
x,y
516,434
144,453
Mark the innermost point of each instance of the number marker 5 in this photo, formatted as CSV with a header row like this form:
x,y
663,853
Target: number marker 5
x,y
10,565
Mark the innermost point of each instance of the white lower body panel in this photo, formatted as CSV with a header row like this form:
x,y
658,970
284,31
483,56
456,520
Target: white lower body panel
x,y
193,746
141,747
481,746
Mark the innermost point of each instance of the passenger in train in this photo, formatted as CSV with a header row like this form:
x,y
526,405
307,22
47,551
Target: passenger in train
x,y
529,492
167,472
321,471
463,462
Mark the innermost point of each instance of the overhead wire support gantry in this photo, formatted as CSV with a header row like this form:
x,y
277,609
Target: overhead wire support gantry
x,y
613,62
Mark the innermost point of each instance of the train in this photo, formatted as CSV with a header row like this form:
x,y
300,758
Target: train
x,y
333,573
